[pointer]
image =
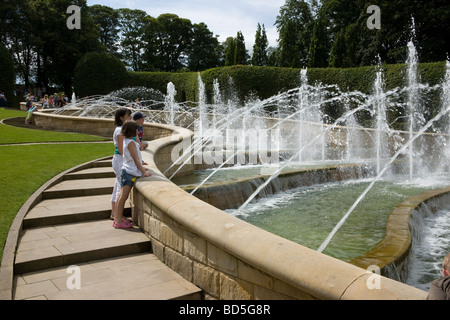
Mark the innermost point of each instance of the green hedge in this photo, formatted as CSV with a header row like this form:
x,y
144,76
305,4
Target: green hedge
x,y
264,82
268,81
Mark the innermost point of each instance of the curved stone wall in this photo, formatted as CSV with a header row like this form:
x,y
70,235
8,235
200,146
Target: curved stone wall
x,y
392,251
229,258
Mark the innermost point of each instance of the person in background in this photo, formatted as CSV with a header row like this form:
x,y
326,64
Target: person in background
x,y
139,118
440,288
2,100
55,100
29,117
45,102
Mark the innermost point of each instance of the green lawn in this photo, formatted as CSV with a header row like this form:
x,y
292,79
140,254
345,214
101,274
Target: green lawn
x,y
10,135
24,168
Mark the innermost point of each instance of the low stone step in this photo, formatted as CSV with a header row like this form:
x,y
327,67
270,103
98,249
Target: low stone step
x,y
91,173
67,244
134,277
102,163
79,188
69,210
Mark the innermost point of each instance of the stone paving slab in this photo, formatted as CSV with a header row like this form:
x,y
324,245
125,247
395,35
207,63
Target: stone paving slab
x,y
59,245
134,277
81,187
68,210
71,226
97,172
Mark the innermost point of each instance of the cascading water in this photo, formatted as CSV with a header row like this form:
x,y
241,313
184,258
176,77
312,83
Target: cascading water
x,y
202,121
302,103
446,102
382,128
413,102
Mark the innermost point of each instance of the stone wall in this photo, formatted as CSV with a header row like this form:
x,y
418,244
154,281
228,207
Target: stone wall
x,y
96,126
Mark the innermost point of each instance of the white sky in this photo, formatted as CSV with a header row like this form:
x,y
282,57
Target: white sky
x,y
223,18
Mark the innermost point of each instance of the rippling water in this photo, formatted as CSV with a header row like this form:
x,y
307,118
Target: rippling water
x,y
307,215
429,251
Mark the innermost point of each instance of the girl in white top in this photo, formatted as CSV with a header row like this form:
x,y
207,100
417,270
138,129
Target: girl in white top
x,y
132,168
121,115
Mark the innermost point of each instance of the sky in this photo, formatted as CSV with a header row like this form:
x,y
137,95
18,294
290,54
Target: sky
x,y
223,18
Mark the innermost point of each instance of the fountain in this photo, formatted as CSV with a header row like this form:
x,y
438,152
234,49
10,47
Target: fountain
x,y
170,104
388,146
290,133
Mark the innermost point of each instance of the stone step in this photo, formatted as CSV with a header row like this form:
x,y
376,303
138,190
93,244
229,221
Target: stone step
x,y
91,173
69,210
102,163
79,188
133,277
67,244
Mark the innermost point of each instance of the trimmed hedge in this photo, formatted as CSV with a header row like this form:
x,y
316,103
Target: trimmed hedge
x,y
268,81
265,82
99,73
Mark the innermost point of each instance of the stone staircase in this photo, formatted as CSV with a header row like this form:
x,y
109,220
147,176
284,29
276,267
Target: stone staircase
x,y
68,248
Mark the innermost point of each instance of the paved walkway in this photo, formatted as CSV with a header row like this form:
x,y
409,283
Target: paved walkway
x,y
68,248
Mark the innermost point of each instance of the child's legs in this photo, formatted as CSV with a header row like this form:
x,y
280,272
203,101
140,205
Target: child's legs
x,y
115,196
120,203
117,166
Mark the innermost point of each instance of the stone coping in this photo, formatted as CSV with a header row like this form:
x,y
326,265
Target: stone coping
x,y
395,245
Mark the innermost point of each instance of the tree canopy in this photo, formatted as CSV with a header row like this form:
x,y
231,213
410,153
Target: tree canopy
x,y
311,33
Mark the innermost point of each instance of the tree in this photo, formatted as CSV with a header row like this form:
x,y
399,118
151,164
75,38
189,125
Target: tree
x,y
230,48
132,26
259,57
168,38
16,33
7,76
106,20
320,45
240,52
294,25
60,48
204,49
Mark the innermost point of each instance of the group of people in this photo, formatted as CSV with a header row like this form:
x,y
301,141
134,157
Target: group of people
x,y
54,101
127,161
